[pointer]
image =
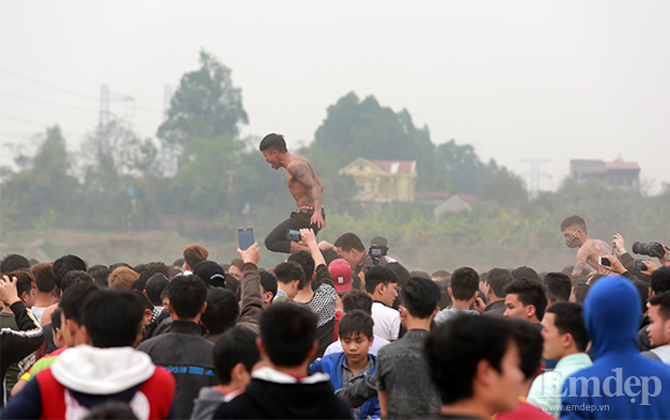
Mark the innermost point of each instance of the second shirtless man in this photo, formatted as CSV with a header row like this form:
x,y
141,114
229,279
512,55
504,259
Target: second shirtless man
x,y
305,188
574,232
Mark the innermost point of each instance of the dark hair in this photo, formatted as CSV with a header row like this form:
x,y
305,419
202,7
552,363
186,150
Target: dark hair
x,y
527,273
178,262
379,241
233,285
376,275
72,300
445,299
663,301
356,299
558,286
73,277
24,281
275,142
44,280
100,273
55,320
237,262
13,262
440,274
306,261
63,265
568,318
148,270
221,312
288,333
329,255
529,293
400,271
530,342
464,283
643,291
454,350
581,290
356,323
349,241
289,271
113,317
154,286
419,273
498,278
195,253
269,282
111,410
420,297
574,221
187,294
236,346
660,280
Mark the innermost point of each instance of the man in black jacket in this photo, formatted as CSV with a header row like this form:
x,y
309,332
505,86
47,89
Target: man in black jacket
x,y
182,350
282,389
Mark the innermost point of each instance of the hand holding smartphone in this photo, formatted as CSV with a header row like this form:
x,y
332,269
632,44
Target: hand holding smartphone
x,y
245,237
604,261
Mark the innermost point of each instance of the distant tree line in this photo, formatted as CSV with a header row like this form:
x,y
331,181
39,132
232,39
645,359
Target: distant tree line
x,y
120,181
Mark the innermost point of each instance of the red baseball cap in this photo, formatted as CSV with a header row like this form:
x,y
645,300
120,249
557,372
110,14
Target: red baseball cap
x,y
340,271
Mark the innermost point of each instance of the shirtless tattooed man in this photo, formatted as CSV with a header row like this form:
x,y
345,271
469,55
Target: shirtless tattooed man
x,y
574,231
305,188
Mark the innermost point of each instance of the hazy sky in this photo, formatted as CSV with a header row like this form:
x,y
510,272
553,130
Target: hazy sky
x,y
519,80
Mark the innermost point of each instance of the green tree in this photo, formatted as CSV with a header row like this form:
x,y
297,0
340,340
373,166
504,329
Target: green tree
x,y
205,106
463,169
43,191
355,128
506,189
120,167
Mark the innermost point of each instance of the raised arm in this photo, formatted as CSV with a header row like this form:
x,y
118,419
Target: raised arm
x,y
251,302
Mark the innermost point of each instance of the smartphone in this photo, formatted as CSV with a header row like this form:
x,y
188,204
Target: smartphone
x,y
245,236
293,235
604,262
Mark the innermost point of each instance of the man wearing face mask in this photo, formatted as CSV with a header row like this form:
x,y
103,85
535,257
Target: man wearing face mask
x,y
574,231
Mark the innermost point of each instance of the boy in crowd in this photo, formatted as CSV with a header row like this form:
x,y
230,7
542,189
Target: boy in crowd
x,y
477,374
182,350
565,340
381,284
464,293
659,328
574,232
352,301
103,368
354,363
235,355
282,389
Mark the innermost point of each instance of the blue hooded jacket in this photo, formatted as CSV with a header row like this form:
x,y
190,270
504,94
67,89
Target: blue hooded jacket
x,y
621,384
332,365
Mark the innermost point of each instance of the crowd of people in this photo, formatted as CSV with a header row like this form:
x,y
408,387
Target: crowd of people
x,y
336,331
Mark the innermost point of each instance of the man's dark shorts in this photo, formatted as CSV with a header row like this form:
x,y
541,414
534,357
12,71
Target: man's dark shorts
x,y
276,240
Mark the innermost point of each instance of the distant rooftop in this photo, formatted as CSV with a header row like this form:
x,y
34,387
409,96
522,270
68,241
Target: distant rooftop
x,y
394,166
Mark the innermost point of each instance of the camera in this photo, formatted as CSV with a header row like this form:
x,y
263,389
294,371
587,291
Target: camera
x,y
652,249
293,235
376,252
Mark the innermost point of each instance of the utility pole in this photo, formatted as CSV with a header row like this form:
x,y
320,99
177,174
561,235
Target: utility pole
x,y
168,155
105,98
535,175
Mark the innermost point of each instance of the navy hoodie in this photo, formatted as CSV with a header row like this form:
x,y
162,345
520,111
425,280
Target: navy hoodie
x,y
621,384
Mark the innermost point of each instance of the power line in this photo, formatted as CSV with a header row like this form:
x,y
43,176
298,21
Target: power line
x,y
38,101
49,85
